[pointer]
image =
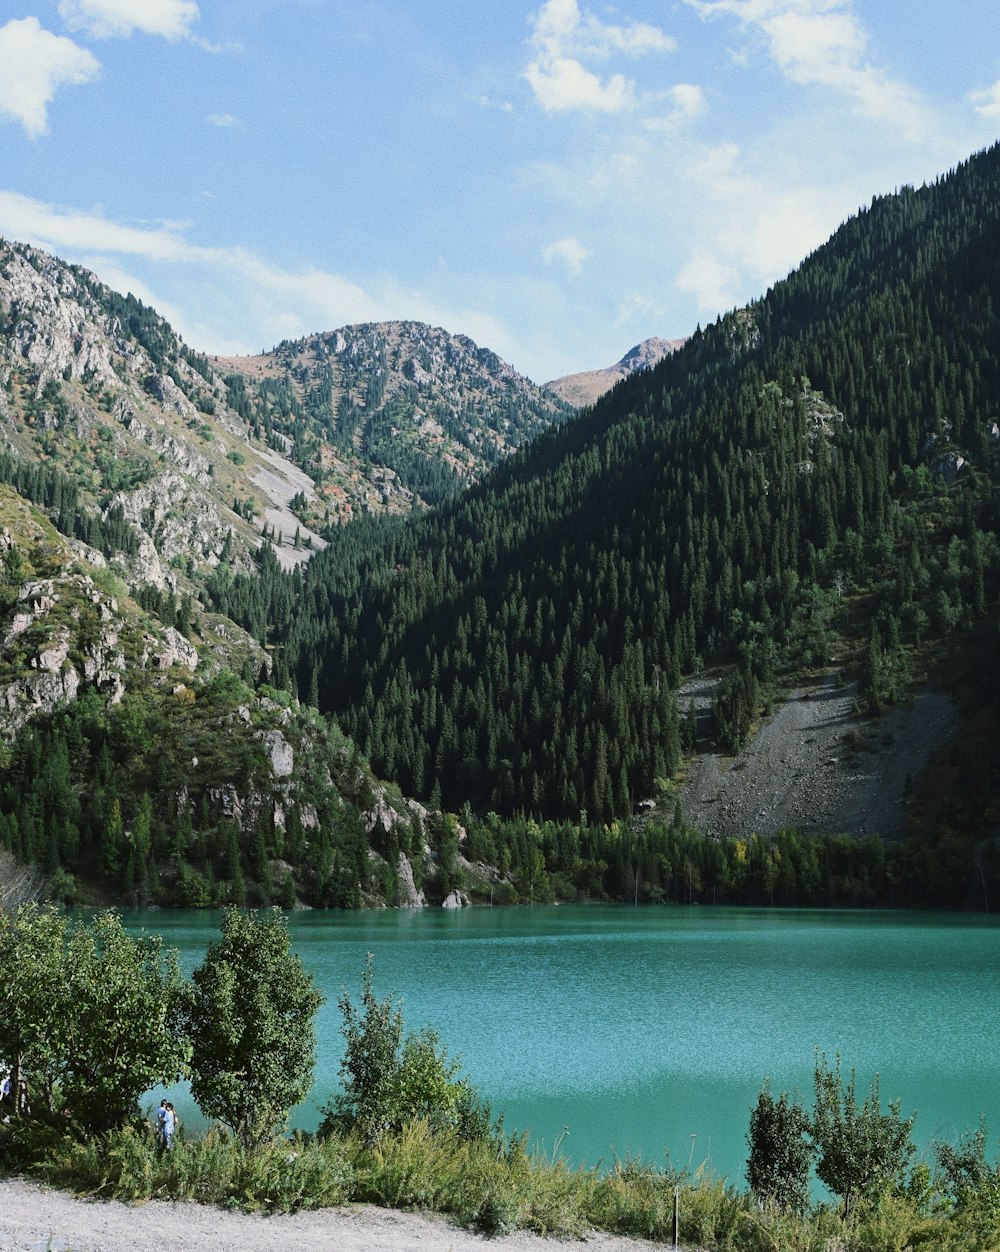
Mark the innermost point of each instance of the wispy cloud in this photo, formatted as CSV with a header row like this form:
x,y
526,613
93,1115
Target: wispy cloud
x,y
568,252
824,43
119,19
223,120
563,39
714,285
206,291
36,64
686,102
486,102
987,103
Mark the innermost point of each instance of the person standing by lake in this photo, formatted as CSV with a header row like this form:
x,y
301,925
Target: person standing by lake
x,y
159,1118
169,1125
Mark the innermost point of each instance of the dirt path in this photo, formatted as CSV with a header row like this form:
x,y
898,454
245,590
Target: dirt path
x,y
813,765
35,1219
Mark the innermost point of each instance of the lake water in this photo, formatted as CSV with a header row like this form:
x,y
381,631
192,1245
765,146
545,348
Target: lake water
x,y
614,1030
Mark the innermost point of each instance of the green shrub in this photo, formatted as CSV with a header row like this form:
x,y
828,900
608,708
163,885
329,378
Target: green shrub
x,y
390,1082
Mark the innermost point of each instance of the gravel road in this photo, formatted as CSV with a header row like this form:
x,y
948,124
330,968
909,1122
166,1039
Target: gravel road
x,y
36,1219
813,765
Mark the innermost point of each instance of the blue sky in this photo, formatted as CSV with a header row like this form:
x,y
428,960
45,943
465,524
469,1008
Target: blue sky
x,y
556,178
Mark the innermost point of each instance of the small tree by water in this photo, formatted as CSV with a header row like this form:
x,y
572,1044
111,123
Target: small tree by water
x,y
861,1150
389,1081
251,1021
88,1018
781,1153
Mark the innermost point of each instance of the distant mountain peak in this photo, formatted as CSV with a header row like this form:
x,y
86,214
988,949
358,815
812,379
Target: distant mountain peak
x,y
588,387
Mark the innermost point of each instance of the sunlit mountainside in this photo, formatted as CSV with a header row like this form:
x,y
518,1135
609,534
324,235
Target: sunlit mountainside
x,y
237,556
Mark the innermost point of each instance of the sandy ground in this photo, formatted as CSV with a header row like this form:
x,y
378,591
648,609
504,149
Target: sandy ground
x,y
813,765
36,1219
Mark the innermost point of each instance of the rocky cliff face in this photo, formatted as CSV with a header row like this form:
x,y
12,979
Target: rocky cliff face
x,y
66,624
98,387
587,388
131,467
204,456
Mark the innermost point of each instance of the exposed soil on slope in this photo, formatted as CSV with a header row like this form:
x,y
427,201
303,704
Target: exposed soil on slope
x,y
813,765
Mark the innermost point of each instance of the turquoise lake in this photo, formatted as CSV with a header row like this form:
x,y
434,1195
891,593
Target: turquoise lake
x,y
613,1030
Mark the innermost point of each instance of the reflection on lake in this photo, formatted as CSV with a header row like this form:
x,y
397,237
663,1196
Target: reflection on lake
x,y
651,1029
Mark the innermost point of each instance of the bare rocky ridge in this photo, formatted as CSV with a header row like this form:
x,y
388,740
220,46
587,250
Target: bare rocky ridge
x,y
587,388
813,765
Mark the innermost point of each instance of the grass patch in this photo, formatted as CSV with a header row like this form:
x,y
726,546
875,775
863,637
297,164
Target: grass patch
x,y
492,1187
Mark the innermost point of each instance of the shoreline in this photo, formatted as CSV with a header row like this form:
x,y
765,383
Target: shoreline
x,y
36,1218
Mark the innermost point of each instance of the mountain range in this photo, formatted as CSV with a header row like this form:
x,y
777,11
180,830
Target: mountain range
x,y
238,592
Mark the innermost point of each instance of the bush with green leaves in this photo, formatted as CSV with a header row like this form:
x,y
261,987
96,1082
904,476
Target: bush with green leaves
x,y
972,1187
90,1018
781,1153
250,1018
390,1081
862,1151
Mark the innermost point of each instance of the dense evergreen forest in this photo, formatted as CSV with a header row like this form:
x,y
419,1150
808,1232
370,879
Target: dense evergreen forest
x,y
811,483
820,465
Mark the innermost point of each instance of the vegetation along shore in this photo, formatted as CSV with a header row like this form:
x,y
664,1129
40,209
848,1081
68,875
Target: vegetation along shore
x,y
94,1018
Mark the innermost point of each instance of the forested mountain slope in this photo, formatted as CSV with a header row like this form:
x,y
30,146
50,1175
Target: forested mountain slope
x,y
810,477
401,407
143,751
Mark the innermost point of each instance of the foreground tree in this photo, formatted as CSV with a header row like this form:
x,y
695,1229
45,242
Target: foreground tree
x,y
972,1184
123,1032
862,1151
251,1017
780,1151
32,1003
89,1017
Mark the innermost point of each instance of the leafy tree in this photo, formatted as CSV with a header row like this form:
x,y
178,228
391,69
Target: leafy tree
x,y
973,1186
780,1151
389,1082
32,1001
89,1020
862,1151
123,1033
251,1020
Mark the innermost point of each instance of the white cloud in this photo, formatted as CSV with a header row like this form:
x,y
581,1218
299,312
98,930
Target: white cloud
x,y
560,28
687,103
987,102
823,43
562,84
118,19
231,300
52,227
568,252
714,285
223,120
485,102
637,307
36,64
563,39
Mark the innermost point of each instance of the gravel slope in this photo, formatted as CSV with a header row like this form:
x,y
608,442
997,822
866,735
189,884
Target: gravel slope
x,y
813,765
35,1219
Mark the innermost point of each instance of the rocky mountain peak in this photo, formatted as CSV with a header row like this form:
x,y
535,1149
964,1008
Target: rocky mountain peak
x,y
587,387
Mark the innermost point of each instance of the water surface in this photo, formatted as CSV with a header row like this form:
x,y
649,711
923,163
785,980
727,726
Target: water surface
x,y
614,1030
